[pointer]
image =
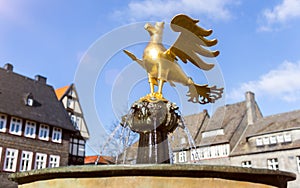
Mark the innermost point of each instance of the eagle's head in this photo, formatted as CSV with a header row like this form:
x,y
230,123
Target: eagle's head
x,y
155,30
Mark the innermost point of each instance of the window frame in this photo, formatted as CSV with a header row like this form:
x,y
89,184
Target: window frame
x,y
246,164
10,159
56,132
3,121
280,138
70,102
273,140
287,137
182,157
298,162
266,140
75,121
56,163
30,125
44,128
27,159
14,123
0,154
195,155
259,142
273,163
174,157
75,145
40,163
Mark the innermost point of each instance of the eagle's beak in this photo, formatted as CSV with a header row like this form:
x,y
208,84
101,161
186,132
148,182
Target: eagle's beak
x,y
149,28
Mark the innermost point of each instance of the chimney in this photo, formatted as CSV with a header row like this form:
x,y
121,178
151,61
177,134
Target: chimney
x,y
8,67
250,106
41,79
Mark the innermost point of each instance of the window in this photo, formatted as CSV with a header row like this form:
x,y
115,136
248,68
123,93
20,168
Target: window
x,y
273,164
225,149
29,100
44,132
30,129
288,137
75,121
81,148
11,157
213,133
70,103
2,123
280,138
259,142
174,159
246,164
40,160
195,155
182,157
26,161
266,141
54,161
272,140
15,126
0,153
56,135
77,147
298,162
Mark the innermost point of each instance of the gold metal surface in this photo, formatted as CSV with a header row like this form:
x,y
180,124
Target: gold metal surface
x,y
161,63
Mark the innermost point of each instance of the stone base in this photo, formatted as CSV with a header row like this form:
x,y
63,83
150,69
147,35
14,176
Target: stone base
x,y
145,176
153,121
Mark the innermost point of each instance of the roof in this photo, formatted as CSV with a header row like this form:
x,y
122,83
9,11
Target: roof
x,y
275,123
45,109
179,138
228,118
60,92
63,92
269,125
101,159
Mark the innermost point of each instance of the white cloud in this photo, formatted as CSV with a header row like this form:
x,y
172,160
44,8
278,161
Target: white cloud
x,y
161,9
280,14
282,83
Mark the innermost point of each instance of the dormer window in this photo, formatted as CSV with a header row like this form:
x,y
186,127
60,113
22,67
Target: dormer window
x,y
29,100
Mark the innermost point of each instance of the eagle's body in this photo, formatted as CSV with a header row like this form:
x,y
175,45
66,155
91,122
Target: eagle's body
x,y
162,68
161,63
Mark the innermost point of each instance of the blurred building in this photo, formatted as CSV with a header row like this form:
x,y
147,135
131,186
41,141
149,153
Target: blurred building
x,y
69,98
239,135
35,129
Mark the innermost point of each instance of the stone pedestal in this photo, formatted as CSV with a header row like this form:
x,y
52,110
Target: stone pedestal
x,y
153,120
148,176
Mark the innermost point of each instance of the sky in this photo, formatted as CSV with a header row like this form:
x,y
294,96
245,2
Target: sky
x,y
82,41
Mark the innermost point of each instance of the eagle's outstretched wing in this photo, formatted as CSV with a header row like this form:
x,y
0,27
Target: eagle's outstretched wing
x,y
189,43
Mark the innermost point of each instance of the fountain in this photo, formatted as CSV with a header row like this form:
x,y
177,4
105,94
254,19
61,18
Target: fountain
x,y
153,121
153,117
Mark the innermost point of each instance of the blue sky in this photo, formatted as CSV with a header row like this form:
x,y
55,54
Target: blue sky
x,y
258,40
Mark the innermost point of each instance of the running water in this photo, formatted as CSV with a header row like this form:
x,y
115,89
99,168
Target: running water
x,y
155,139
189,136
126,144
170,152
124,151
107,142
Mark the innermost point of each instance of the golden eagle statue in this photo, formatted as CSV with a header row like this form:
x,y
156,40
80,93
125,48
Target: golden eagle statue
x,y
161,63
